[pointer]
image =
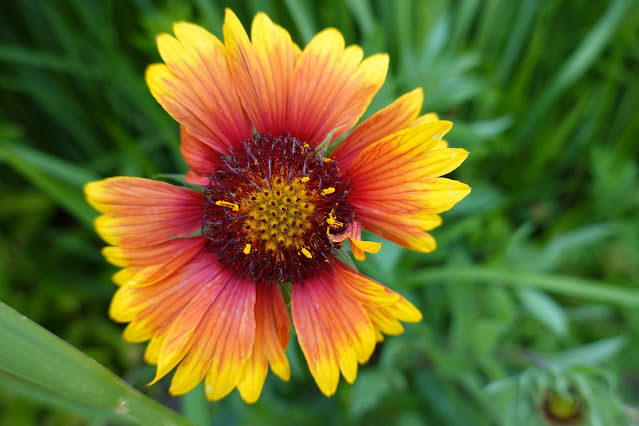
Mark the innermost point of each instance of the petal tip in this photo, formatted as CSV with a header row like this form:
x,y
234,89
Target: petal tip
x,y
447,125
230,16
180,25
249,397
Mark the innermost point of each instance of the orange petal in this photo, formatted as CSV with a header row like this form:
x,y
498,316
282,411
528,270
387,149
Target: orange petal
x,y
151,309
196,88
332,87
384,322
271,338
220,346
139,212
429,118
398,174
406,231
262,71
154,263
384,307
352,230
395,117
425,118
333,330
124,275
199,156
411,198
403,310
148,255
179,338
386,318
152,351
364,289
359,248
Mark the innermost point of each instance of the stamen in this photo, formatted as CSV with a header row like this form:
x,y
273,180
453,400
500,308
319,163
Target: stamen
x,y
233,206
276,199
332,222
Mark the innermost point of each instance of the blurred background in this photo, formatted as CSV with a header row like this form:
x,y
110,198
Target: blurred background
x,y
531,300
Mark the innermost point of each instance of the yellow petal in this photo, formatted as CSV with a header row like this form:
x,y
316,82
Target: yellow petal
x,y
359,247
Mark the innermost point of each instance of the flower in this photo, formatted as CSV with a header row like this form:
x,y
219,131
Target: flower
x,y
565,408
203,267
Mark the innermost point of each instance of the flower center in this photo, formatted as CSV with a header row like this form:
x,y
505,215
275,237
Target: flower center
x,y
272,208
568,408
277,217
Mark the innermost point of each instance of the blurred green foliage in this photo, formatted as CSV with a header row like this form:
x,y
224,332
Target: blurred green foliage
x,y
534,287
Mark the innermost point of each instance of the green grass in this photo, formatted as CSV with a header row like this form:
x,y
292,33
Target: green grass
x,y
535,282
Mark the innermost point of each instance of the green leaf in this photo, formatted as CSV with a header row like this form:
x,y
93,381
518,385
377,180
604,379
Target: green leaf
x,y
571,241
369,389
61,180
577,64
591,353
569,286
19,56
362,12
196,406
303,18
545,309
39,362
485,334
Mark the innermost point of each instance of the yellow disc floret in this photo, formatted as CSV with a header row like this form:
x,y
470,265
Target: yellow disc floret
x,y
280,216
273,208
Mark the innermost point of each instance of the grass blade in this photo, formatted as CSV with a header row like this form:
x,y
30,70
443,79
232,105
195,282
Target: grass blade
x,y
41,361
61,181
568,286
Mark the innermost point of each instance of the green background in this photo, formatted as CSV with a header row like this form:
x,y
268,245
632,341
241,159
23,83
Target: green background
x,y
534,287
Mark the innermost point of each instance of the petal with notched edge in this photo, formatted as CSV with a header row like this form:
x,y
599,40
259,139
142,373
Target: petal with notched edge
x,y
196,87
262,69
407,231
333,330
400,173
332,87
140,212
222,342
199,156
271,338
395,117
